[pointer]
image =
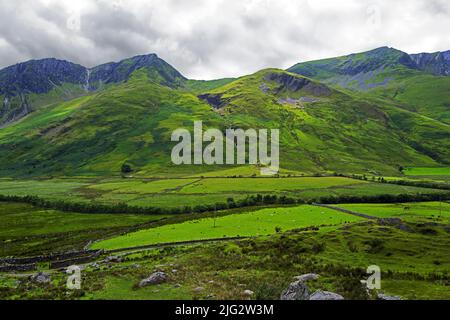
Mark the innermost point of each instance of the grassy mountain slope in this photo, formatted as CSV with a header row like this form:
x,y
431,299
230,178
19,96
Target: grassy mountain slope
x,y
390,73
322,129
27,86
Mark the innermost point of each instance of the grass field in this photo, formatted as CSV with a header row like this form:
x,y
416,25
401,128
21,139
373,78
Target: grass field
x,y
427,171
225,185
261,222
417,250
408,211
25,229
169,193
192,192
51,189
414,265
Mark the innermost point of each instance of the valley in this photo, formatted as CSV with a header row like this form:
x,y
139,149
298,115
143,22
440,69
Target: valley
x,y
86,173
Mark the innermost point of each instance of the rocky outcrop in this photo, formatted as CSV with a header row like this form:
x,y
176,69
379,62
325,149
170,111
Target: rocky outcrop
x,y
437,63
13,109
214,100
296,83
155,278
298,290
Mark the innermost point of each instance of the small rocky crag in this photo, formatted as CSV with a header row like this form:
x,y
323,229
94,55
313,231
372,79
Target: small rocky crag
x,y
298,290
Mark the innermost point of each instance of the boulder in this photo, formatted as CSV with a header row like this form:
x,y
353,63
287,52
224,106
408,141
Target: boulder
x,y
382,296
248,293
307,277
325,295
199,289
155,278
297,290
41,277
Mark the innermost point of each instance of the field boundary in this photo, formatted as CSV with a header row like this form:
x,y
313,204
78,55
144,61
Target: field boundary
x,y
358,214
55,261
250,201
174,244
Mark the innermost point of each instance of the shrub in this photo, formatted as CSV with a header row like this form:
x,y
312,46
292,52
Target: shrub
x,y
126,168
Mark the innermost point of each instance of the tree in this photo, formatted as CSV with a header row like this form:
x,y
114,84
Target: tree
x,y
126,168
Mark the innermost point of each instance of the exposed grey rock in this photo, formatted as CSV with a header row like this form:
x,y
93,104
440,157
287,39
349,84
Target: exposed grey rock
x,y
199,289
382,296
214,100
41,277
264,87
297,290
155,278
325,295
113,259
248,293
307,277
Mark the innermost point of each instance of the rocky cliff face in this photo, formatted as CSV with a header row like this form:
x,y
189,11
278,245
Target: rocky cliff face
x,y
14,109
39,77
437,63
376,60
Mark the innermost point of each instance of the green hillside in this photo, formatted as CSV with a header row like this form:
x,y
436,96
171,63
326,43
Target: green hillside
x,y
322,129
389,73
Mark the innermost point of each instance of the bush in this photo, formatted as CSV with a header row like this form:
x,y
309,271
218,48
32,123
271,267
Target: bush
x,y
126,168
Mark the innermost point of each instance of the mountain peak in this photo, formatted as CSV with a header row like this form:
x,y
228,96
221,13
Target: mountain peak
x,y
69,80
39,76
114,72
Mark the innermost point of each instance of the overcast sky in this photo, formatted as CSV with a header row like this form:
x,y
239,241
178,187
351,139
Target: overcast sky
x,y
206,39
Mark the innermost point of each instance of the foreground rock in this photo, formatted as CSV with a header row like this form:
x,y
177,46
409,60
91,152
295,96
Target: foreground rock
x,y
199,289
325,295
382,296
41,277
248,293
307,277
297,290
156,278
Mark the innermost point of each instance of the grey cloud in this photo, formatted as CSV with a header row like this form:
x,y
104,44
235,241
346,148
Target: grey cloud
x,y
217,38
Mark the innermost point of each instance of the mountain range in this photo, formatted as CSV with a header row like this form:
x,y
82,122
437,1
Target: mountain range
x,y
370,112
